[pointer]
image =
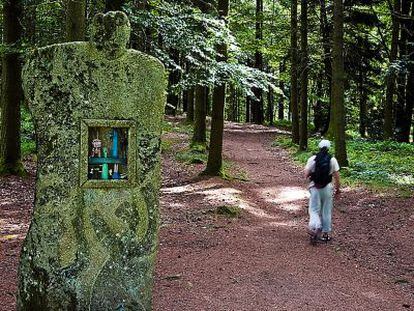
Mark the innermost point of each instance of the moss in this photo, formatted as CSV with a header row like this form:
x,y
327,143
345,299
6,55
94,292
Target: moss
x,y
229,211
15,169
92,247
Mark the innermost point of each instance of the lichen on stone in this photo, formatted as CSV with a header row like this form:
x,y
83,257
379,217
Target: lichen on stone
x,y
92,248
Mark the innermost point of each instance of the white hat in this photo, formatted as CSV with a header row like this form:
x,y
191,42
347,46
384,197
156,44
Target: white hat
x,y
324,144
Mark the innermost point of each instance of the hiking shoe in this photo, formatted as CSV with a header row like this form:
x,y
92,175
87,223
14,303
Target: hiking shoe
x,y
314,236
325,237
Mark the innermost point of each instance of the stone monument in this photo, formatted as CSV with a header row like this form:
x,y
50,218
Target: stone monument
x,y
97,108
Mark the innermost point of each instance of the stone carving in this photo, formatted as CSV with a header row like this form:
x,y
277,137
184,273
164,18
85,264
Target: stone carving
x,y
92,243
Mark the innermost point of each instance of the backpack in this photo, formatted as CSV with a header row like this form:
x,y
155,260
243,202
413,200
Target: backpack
x,y
321,176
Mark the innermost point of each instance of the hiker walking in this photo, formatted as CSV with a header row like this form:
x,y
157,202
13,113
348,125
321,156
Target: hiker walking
x,y
320,169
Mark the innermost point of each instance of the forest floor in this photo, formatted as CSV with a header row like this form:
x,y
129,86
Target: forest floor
x,y
261,260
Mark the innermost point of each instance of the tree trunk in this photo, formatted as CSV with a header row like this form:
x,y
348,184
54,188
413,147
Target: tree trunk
x,y
231,115
215,161
294,72
141,39
199,133
207,98
326,32
303,127
257,104
190,105
281,103
75,20
389,99
11,93
410,81
400,109
270,106
237,107
318,119
113,5
248,116
362,106
173,78
338,83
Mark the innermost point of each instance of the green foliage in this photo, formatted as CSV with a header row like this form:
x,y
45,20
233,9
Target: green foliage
x,y
287,125
195,154
283,124
166,145
28,143
383,164
185,30
28,147
177,127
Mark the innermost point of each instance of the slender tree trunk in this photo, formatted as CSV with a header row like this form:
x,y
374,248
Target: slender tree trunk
x,y
362,106
141,39
11,92
257,104
270,106
190,105
30,22
232,109
75,20
208,100
173,78
237,111
184,98
410,81
318,119
400,109
326,31
303,127
199,133
281,103
248,116
215,160
294,106
114,5
338,83
389,99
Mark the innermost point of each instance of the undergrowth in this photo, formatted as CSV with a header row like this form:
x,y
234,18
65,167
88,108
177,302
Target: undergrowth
x,y
27,144
379,164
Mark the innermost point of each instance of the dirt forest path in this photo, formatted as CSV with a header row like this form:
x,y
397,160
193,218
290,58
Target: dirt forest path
x,y
262,261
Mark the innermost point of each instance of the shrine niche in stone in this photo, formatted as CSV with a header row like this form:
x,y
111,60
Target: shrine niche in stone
x,y
107,149
97,108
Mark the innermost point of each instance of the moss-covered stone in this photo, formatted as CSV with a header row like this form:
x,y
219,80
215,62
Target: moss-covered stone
x,y
92,247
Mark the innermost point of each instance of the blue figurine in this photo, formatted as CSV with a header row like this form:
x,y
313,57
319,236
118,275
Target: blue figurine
x,y
114,144
115,174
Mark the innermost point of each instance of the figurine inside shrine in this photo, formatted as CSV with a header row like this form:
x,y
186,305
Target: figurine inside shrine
x,y
108,153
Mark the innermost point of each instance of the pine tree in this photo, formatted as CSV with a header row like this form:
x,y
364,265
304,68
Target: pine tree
x,y
303,126
338,84
294,72
214,163
11,92
75,20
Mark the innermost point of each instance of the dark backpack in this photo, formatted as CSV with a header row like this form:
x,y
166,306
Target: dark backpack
x,y
321,176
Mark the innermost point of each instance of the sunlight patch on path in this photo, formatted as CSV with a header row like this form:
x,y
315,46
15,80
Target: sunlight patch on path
x,y
230,196
288,198
216,194
11,231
